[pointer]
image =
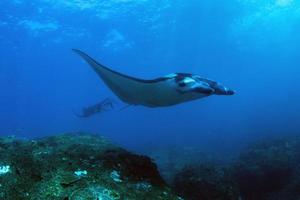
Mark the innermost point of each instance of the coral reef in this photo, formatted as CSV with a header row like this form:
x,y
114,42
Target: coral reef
x,y
266,170
269,170
76,167
88,167
205,182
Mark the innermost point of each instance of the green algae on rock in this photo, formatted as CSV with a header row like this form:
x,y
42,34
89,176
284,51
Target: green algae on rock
x,y
76,166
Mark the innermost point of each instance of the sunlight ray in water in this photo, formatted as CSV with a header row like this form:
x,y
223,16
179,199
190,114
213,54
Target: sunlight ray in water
x,y
267,21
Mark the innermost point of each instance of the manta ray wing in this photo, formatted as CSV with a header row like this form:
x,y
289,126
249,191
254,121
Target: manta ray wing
x,y
129,89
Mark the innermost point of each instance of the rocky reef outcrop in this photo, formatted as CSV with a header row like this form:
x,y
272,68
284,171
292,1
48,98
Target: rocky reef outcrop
x,y
205,182
269,170
76,167
81,166
266,170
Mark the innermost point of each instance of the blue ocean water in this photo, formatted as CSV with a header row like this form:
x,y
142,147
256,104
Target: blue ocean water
x,y
251,46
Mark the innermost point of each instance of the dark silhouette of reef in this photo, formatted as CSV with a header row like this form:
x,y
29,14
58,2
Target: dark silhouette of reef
x,y
270,170
267,170
205,182
76,167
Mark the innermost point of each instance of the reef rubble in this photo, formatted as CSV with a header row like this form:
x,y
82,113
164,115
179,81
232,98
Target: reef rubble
x,y
76,166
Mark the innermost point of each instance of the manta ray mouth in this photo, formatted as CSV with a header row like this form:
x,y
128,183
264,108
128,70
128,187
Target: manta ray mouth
x,y
230,92
226,91
202,90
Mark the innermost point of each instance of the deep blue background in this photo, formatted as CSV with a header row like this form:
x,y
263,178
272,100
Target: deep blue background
x,y
250,46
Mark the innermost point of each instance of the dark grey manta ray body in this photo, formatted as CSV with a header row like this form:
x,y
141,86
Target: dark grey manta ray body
x,y
165,91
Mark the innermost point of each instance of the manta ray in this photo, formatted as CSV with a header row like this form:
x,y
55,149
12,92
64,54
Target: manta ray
x,y
164,91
